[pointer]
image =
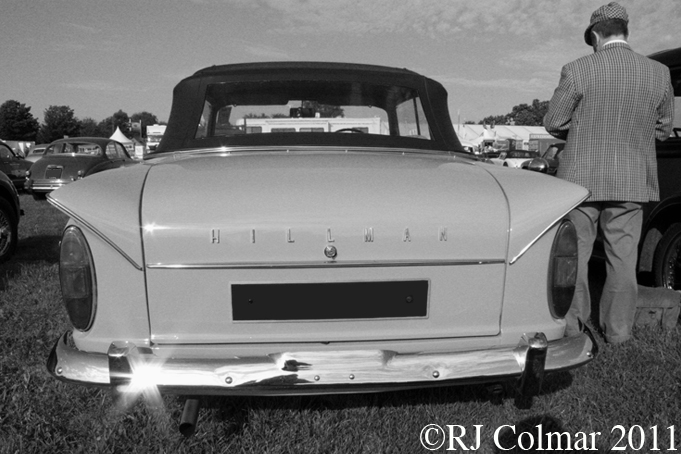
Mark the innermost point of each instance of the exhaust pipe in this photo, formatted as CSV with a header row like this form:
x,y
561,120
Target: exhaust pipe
x,y
190,414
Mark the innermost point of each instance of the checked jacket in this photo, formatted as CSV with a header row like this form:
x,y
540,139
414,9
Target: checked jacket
x,y
610,107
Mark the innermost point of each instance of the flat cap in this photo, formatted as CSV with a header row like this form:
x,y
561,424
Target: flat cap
x,y
612,10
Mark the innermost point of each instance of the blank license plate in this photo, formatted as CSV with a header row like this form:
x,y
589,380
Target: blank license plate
x,y
53,173
329,301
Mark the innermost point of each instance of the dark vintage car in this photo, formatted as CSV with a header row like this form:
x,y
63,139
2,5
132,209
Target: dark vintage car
x,y
10,212
13,165
660,257
68,160
311,228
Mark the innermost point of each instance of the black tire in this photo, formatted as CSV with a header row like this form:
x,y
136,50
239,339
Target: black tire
x,y
667,260
8,231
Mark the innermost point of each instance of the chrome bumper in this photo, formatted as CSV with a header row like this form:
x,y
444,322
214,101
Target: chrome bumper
x,y
33,186
128,367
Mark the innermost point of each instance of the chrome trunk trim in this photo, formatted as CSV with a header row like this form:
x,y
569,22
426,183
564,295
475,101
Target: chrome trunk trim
x,y
319,264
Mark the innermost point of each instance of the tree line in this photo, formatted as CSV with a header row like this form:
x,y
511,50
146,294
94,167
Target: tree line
x,y
18,123
520,115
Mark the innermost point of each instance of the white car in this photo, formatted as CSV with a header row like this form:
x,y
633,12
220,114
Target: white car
x,y
514,158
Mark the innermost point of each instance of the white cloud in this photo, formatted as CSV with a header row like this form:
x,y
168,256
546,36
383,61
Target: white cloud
x,y
562,18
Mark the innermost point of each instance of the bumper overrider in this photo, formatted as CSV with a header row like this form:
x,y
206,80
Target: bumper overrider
x,y
126,366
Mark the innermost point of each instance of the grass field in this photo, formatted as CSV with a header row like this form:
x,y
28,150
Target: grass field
x,y
629,397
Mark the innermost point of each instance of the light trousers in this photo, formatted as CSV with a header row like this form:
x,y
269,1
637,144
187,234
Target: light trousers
x,y
620,225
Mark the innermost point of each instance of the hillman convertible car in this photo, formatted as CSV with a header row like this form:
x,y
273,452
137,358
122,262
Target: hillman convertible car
x,y
314,228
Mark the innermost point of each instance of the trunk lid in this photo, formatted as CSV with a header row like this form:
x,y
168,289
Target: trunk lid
x,y
321,247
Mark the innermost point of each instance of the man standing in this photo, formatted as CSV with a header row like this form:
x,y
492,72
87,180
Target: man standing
x,y
610,107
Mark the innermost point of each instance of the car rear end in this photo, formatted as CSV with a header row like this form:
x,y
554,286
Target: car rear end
x,y
267,249
318,273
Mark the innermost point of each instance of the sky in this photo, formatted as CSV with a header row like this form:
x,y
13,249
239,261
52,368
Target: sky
x,y
102,56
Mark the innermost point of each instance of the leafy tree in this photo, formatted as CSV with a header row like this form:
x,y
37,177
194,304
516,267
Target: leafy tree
x,y
59,122
118,120
17,122
494,120
521,115
90,128
529,115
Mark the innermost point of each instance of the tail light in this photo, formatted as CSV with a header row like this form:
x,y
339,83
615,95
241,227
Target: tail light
x,y
563,269
77,276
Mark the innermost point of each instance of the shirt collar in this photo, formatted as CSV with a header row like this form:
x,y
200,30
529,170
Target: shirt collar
x,y
620,41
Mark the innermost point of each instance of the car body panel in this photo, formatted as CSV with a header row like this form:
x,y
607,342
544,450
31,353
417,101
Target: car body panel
x,y
118,221
292,216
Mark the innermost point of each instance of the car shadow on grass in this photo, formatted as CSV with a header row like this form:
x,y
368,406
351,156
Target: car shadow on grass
x,y
233,412
38,248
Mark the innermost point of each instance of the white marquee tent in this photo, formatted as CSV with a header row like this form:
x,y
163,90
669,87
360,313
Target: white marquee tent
x,y
120,137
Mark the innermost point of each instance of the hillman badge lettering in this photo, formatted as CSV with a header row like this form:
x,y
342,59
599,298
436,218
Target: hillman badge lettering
x,y
368,235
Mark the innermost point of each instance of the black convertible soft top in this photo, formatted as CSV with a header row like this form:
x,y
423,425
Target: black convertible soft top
x,y
189,96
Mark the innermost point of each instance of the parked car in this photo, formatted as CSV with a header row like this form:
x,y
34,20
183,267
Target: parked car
x,y
36,152
552,156
13,165
68,160
660,246
514,158
10,211
290,262
547,162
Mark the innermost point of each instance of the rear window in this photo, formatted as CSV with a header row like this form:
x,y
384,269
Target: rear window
x,y
311,107
80,148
